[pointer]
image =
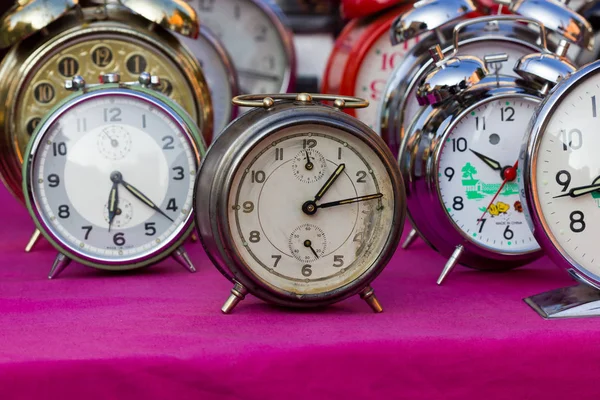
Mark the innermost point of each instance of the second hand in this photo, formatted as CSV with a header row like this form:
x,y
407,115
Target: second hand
x,y
510,174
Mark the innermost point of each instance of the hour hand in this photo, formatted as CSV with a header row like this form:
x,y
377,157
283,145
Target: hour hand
x,y
144,199
113,203
580,191
493,164
336,174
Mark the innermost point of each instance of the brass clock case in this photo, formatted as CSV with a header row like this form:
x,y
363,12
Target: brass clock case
x,y
104,39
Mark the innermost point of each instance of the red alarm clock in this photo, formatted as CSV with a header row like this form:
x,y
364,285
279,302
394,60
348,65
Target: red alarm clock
x,y
362,60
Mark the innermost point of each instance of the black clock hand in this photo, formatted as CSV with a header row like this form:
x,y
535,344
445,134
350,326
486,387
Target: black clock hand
x,y
257,75
336,174
113,203
309,165
138,195
308,243
580,191
351,200
490,162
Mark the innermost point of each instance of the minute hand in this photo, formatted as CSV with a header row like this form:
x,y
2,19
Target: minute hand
x,y
351,200
144,199
580,191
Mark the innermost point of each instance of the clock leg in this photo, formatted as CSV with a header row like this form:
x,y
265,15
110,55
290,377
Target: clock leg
x,y
368,295
238,293
412,236
181,256
33,240
60,263
451,263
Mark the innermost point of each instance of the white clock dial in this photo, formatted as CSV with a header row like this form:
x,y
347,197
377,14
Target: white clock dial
x,y
305,250
374,71
478,183
113,177
478,49
566,173
253,40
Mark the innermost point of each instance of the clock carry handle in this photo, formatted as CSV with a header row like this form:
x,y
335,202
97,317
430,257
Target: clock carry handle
x,y
268,100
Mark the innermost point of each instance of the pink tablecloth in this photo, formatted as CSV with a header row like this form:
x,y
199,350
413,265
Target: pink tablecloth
x,y
159,334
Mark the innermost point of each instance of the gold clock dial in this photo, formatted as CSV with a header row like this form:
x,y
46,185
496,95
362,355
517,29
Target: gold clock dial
x,y
91,57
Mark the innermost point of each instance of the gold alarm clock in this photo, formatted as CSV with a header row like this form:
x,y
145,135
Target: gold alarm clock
x,y
53,40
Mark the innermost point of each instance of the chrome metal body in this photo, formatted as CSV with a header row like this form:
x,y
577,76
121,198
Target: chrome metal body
x,y
221,164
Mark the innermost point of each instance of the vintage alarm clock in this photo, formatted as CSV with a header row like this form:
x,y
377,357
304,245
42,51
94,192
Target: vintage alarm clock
x,y
479,37
220,75
53,40
299,203
109,175
461,156
362,60
258,37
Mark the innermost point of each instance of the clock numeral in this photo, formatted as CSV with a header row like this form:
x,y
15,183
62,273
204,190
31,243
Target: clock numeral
x,y
258,176
254,237
508,233
119,239
306,270
309,143
81,125
68,67
594,109
338,261
361,175
573,140
180,175
150,229
277,259
172,205
136,64
144,121
168,143
59,149
112,115
237,12
563,178
64,212
449,172
87,230
53,180
507,114
577,222
261,33
44,93
102,56
278,154
165,87
358,237
480,123
458,203
389,60
32,124
339,153
206,5
481,222
459,144
248,207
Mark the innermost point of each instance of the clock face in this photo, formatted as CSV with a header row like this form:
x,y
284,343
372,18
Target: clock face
x,y
90,57
113,176
566,175
374,71
477,178
478,49
253,40
216,69
311,209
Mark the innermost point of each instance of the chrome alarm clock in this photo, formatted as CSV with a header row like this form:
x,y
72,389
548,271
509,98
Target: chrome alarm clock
x,y
478,37
109,175
461,156
560,175
54,40
258,38
299,203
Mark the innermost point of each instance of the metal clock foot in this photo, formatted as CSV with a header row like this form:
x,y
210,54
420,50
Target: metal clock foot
x,y
181,256
368,295
450,264
412,236
580,300
60,263
33,240
238,293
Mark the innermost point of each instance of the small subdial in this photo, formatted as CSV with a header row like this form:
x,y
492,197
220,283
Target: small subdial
x,y
114,142
309,166
308,243
124,214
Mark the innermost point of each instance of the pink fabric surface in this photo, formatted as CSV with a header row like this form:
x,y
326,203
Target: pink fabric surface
x,y
159,334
